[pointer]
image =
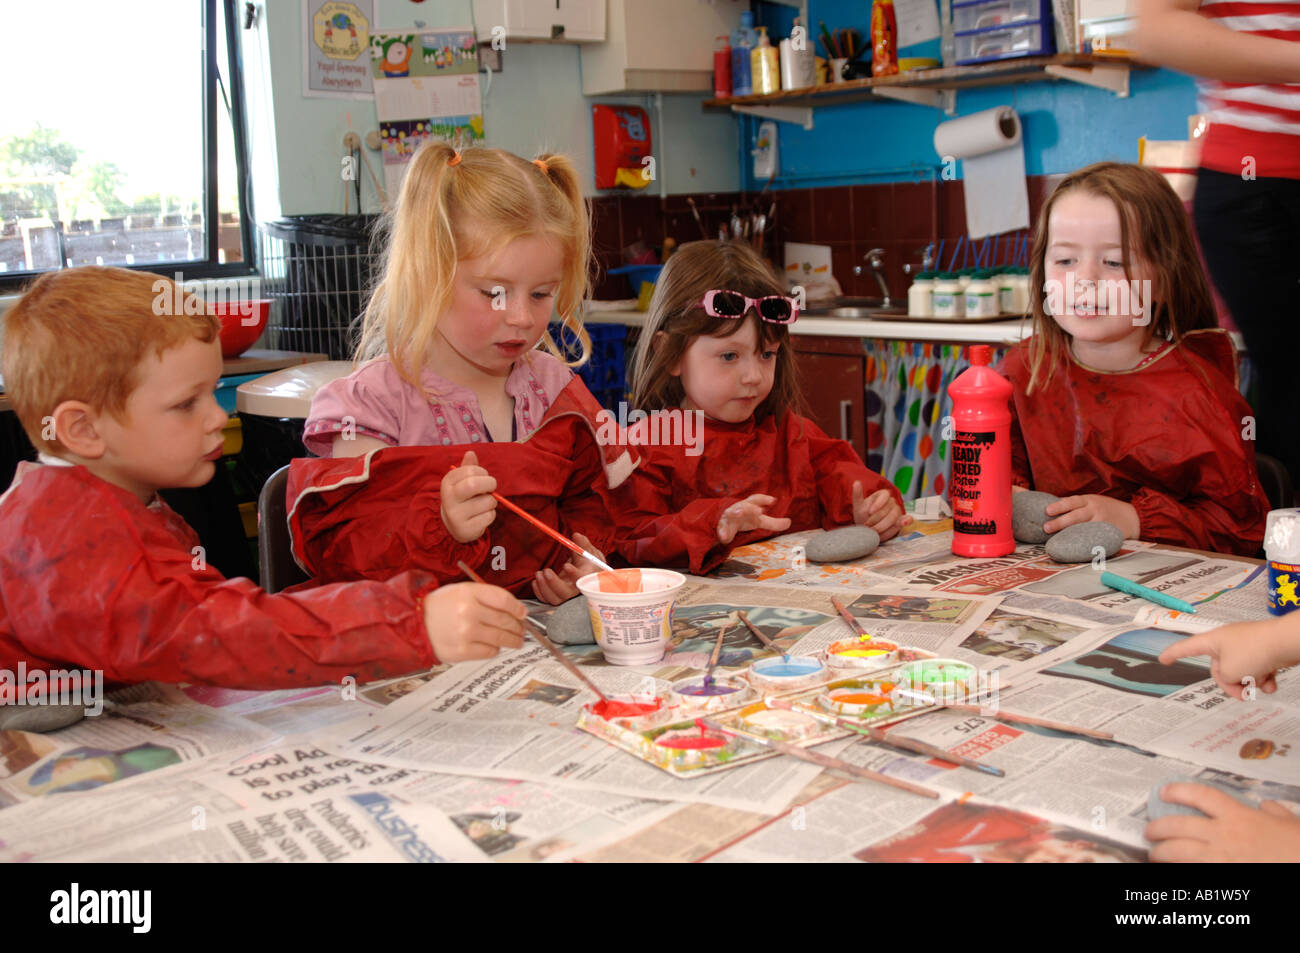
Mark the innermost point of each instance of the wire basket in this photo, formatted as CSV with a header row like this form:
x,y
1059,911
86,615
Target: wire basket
x,y
318,270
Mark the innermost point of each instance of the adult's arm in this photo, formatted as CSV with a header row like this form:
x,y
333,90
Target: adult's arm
x,y
1173,34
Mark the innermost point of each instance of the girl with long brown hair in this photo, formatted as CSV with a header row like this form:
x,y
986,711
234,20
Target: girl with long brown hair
x,y
716,345
1125,397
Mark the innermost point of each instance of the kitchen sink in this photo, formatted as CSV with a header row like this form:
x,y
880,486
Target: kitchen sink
x,y
856,308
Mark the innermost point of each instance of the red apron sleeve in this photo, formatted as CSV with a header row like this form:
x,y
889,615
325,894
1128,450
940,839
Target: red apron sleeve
x,y
373,516
651,532
1234,525
138,610
838,467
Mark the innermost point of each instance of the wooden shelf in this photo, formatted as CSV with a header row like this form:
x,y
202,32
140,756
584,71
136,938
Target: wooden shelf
x,y
936,87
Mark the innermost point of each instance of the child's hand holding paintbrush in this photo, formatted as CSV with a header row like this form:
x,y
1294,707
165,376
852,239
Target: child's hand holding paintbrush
x,y
469,507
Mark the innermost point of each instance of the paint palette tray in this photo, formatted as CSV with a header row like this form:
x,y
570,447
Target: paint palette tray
x,y
677,742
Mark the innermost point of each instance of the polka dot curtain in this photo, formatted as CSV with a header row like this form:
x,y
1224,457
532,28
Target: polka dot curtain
x,y
907,399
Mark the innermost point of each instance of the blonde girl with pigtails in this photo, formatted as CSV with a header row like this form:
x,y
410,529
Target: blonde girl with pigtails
x,y
483,248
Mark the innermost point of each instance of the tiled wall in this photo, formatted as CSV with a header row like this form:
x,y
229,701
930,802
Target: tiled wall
x,y
900,217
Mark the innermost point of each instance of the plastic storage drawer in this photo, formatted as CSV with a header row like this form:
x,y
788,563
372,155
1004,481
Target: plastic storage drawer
x,y
987,14
1000,43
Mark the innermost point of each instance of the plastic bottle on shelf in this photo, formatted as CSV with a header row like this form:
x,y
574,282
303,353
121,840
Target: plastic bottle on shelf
x,y
964,277
742,44
949,301
1022,299
981,296
798,67
721,67
920,295
980,489
764,68
1006,282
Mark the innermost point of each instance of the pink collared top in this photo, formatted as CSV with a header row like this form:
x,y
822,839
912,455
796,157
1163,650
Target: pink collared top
x,y
382,405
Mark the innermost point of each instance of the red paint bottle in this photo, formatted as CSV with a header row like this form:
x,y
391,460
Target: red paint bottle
x,y
980,489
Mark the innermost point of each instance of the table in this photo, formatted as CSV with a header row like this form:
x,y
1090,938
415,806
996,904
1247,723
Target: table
x,y
577,798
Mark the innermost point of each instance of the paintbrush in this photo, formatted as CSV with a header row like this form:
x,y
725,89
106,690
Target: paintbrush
x,y
880,737
713,658
555,534
824,760
698,221
539,633
1001,715
761,637
854,625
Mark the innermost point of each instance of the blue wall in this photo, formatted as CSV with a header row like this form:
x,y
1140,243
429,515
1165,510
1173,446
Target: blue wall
x,y
1066,125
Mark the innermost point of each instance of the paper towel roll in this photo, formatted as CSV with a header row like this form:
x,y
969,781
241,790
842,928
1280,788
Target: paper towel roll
x,y
978,134
993,157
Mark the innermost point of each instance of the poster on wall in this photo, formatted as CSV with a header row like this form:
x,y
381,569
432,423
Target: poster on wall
x,y
335,39
426,86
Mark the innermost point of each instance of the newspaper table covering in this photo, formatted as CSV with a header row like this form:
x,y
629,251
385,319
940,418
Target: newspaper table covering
x,y
481,761
1113,681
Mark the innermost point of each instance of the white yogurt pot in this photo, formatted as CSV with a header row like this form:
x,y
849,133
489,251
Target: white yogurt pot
x,y
633,628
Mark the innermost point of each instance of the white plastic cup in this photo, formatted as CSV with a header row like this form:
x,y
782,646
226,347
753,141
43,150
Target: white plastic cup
x,y
837,69
633,628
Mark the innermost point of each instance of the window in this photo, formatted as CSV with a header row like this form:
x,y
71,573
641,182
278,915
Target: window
x,y
122,139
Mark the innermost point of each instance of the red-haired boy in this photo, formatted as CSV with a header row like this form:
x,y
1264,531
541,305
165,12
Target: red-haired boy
x,y
97,572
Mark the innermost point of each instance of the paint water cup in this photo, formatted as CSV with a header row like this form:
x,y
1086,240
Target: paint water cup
x,y
1282,549
633,628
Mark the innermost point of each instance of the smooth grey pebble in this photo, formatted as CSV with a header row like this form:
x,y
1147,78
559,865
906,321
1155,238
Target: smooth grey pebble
x,y
1075,544
570,624
1028,514
1158,807
843,544
39,718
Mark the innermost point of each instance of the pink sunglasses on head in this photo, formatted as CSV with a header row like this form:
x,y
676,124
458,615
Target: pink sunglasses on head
x,y
775,309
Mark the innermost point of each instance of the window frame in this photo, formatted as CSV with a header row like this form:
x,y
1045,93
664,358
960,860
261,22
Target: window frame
x,y
208,267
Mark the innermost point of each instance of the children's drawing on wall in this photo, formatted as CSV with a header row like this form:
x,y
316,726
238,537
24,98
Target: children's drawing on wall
x,y
335,37
426,87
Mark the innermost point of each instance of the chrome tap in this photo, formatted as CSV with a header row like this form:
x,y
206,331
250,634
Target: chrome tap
x,y
876,259
928,261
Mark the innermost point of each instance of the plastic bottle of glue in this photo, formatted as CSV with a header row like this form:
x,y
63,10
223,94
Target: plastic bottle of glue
x,y
980,489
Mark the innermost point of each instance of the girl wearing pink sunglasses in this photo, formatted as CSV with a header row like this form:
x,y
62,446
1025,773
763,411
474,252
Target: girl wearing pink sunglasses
x,y
716,345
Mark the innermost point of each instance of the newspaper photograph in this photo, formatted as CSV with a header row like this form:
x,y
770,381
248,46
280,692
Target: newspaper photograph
x,y
974,833
128,738
1118,684
1005,639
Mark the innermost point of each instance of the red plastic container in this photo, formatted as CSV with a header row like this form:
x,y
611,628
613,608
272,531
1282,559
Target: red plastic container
x,y
722,68
242,323
980,489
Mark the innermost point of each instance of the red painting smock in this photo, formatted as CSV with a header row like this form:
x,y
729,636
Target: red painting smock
x,y
668,510
1166,437
372,516
92,578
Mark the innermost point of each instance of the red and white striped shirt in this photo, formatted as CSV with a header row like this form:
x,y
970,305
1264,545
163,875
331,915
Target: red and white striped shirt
x,y
1260,120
